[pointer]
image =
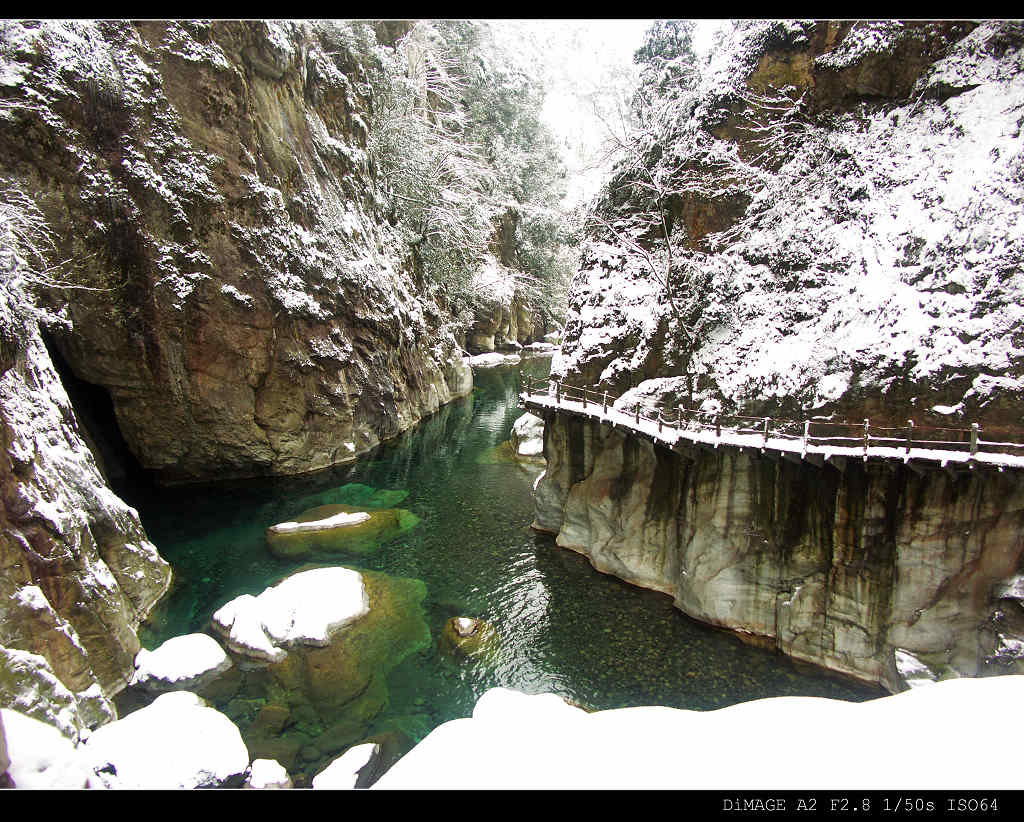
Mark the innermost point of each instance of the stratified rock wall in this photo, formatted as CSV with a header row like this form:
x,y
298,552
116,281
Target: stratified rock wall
x,y
249,307
836,568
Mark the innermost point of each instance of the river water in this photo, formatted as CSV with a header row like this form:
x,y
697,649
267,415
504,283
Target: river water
x,y
562,626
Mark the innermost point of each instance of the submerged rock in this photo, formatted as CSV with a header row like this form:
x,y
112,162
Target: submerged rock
x,y
338,529
468,637
177,742
183,663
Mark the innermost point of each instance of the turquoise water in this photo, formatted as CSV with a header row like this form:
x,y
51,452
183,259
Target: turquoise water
x,y
563,627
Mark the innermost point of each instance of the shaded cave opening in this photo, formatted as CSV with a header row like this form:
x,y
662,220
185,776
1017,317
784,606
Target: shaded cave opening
x,y
97,421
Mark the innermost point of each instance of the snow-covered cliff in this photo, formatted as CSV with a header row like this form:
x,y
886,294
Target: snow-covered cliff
x,y
844,202
246,301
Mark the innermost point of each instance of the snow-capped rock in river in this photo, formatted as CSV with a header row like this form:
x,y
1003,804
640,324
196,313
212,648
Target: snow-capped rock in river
x,y
182,663
519,741
844,202
304,609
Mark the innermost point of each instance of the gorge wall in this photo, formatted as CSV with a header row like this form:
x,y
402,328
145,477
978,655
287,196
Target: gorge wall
x,y
818,221
219,259
876,571
237,287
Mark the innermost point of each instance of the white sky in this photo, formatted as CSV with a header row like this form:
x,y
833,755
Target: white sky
x,y
580,59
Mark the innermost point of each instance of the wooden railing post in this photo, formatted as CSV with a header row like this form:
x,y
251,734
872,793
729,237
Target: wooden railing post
x,y
718,428
584,391
866,437
638,412
604,403
766,430
558,393
659,420
807,428
974,438
910,433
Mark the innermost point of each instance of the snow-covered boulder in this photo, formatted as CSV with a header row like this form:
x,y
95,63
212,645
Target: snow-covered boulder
x,y
338,528
40,756
493,359
177,742
182,663
304,609
267,773
344,772
519,741
537,349
528,436
327,523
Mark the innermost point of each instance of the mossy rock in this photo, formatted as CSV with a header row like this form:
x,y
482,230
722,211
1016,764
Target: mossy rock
x,y
330,677
468,637
360,495
363,537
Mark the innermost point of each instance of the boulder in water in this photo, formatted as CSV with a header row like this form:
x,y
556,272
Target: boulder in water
x,y
527,438
338,529
183,663
345,771
304,609
468,637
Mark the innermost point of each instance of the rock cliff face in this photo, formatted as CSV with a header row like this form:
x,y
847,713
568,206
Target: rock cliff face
x,y
503,317
837,568
247,304
840,199
77,574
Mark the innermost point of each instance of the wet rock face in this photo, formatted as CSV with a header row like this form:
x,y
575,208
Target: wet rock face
x,y
841,569
254,313
77,573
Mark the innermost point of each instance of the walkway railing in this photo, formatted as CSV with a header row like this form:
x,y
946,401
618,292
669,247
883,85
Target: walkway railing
x,y
812,436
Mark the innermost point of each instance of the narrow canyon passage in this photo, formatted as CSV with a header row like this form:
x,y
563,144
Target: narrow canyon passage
x,y
563,627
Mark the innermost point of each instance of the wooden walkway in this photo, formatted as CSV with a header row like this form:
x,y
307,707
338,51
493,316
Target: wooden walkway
x,y
815,441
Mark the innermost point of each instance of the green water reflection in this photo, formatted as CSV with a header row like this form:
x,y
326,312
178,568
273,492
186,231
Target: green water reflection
x,y
562,627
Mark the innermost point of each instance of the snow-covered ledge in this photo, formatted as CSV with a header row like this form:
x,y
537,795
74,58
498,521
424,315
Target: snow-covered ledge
x,y
926,738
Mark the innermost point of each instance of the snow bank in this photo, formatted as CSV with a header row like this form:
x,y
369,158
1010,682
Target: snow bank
x,y
925,738
176,742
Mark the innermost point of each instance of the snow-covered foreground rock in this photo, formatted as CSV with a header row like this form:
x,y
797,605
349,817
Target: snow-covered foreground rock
x,y
926,738
177,742
267,773
40,757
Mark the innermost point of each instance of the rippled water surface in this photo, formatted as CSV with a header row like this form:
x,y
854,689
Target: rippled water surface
x,y
564,627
